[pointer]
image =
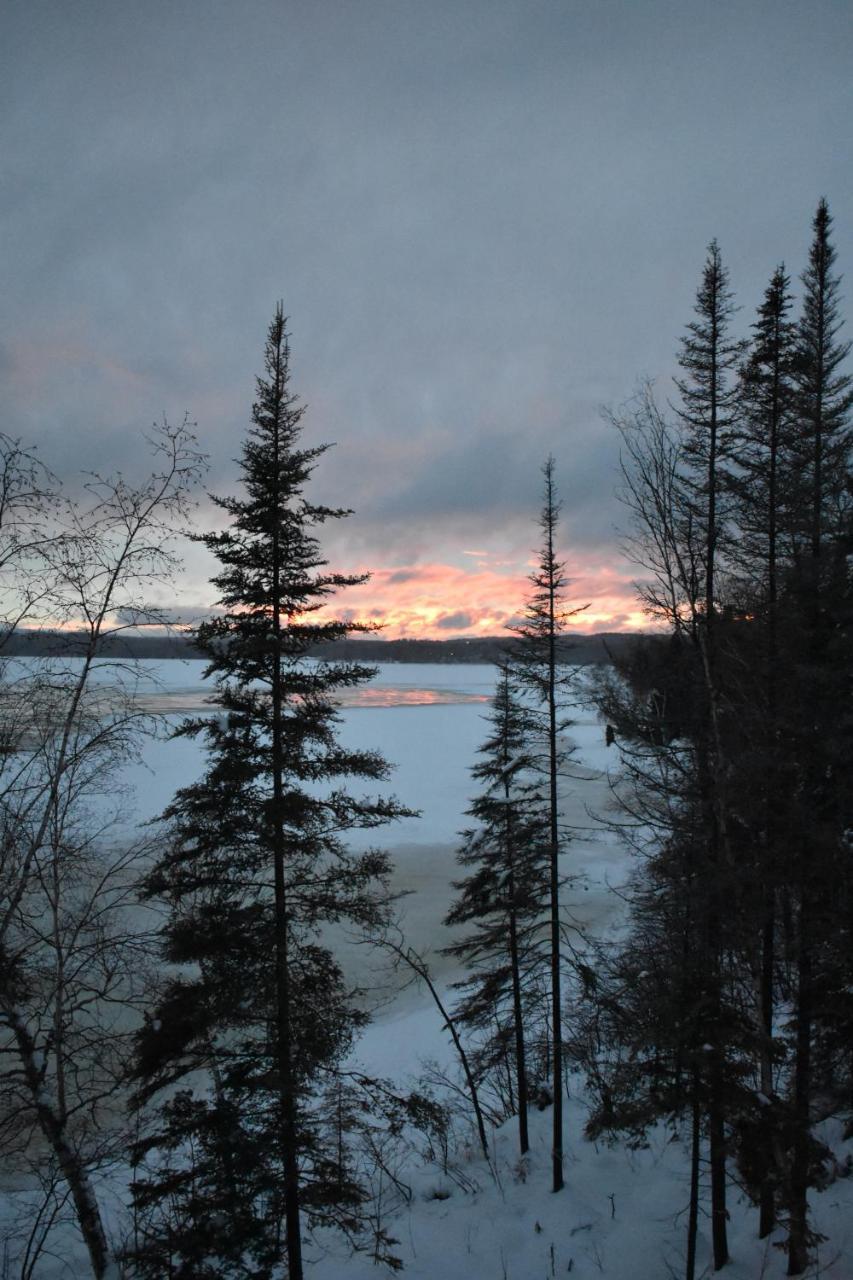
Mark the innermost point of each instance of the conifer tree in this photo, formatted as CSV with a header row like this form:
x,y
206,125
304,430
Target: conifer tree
x,y
504,898
709,358
820,593
825,395
761,487
761,449
741,754
663,1034
540,650
255,869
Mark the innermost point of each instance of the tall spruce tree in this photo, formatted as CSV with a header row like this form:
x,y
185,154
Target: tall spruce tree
x,y
504,898
825,396
537,658
762,485
255,870
709,358
819,597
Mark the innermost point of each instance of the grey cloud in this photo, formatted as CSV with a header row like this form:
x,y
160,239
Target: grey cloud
x,y
488,477
190,615
484,219
455,621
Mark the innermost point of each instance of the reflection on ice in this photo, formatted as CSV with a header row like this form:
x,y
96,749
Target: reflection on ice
x,y
388,696
194,702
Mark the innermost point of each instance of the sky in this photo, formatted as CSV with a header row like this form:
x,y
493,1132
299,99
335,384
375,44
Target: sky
x,y
486,219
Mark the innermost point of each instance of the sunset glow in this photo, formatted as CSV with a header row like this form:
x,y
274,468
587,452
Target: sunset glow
x,y
437,601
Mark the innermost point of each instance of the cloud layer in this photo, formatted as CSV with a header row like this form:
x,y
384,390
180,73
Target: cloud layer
x,y
484,219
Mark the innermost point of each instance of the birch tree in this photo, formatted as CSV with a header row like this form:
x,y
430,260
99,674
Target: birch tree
x,y
69,966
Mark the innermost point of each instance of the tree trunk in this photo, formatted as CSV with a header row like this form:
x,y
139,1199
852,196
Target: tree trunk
x,y
716,1130
716,1090
712,909
73,1169
693,1211
798,1226
460,1049
287,1098
520,1063
419,967
287,1094
767,1195
556,1010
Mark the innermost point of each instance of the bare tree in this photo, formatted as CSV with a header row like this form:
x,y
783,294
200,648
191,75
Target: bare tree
x,y
28,501
70,968
405,957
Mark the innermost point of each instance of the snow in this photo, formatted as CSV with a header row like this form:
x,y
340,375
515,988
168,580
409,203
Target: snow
x,y
622,1214
430,746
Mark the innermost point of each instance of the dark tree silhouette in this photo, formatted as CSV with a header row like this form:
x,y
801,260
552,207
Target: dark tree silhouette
x,y
821,461
762,485
736,735
540,650
504,898
255,869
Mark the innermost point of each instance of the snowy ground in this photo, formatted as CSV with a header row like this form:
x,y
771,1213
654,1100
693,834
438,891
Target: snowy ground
x,y
621,1215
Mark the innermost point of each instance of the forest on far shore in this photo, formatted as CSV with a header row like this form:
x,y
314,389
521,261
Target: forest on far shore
x,y
579,650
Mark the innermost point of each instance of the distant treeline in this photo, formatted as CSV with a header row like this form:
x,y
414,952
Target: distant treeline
x,y
580,650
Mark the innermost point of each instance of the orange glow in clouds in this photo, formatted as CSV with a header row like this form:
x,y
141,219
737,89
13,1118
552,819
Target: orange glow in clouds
x,y
437,601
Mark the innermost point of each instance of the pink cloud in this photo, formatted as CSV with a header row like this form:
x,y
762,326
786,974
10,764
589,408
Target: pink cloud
x,y
430,600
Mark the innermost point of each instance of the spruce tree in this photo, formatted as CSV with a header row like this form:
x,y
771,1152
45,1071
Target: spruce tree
x,y
504,898
761,444
825,396
709,358
819,597
762,486
537,657
255,870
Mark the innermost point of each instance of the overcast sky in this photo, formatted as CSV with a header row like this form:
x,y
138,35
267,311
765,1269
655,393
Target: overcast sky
x,y
485,219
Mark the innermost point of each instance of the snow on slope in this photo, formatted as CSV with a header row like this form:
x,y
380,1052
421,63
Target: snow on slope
x,y
622,1215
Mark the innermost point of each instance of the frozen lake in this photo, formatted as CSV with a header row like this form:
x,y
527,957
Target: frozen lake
x,y
426,718
428,721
